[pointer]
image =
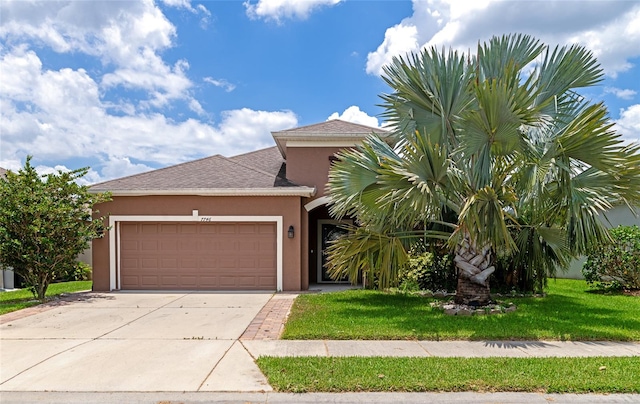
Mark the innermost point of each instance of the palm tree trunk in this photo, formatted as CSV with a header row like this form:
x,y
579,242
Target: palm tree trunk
x,y
474,268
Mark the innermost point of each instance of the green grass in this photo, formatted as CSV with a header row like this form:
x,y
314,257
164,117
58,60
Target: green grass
x,y
23,298
568,312
549,375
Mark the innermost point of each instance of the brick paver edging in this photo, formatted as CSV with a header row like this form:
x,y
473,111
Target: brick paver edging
x,y
269,322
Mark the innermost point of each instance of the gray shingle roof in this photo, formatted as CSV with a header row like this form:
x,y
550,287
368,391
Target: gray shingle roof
x,y
211,175
268,159
255,173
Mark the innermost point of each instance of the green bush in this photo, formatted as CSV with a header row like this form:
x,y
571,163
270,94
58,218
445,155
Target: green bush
x,y
80,271
616,265
428,271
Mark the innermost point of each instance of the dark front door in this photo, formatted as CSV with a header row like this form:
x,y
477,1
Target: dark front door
x,y
328,231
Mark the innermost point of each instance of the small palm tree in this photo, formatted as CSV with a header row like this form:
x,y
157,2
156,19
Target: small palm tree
x,y
501,142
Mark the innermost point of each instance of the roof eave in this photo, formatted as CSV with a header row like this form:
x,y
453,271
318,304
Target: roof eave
x,y
341,140
284,191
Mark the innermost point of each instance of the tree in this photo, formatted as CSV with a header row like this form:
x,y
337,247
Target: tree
x,y
45,222
495,152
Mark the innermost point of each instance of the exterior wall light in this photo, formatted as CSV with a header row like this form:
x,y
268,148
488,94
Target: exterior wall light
x,y
290,232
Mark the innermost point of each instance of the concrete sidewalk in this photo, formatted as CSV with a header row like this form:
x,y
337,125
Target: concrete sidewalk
x,y
520,349
310,398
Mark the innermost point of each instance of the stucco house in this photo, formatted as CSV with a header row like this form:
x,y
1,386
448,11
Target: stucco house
x,y
7,277
254,221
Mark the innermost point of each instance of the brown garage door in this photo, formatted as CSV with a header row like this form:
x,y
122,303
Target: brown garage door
x,y
198,256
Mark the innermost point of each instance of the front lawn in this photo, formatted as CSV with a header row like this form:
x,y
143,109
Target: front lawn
x,y
548,375
568,312
23,298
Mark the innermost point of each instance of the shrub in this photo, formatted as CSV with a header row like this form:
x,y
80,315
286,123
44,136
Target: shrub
x,y
80,271
428,271
616,265
45,223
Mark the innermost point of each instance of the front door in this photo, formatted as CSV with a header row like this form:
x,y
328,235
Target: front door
x,y
328,231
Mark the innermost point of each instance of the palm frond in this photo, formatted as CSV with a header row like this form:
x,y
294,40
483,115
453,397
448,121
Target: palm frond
x,y
508,53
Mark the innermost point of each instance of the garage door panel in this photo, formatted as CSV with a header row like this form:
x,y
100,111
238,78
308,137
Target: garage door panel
x,y
129,245
227,228
208,229
168,228
130,263
171,245
149,263
266,263
194,256
189,263
184,281
266,280
246,281
149,280
169,263
208,282
247,228
227,281
149,245
169,280
247,263
227,263
148,228
247,245
264,228
206,263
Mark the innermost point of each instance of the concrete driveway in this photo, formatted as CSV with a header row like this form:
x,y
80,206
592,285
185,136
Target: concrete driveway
x,y
134,342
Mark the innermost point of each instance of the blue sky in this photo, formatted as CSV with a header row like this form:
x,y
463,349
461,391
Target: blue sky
x,y
128,86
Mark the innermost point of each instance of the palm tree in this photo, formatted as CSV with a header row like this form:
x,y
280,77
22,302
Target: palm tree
x,y
502,142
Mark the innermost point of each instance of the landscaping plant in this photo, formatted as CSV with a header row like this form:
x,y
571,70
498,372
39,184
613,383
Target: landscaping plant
x,y
427,271
495,152
615,265
45,222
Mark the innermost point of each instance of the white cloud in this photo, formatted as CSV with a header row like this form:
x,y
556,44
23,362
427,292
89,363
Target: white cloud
x,y
222,83
625,94
195,106
628,125
96,28
11,164
120,166
128,38
206,16
180,4
610,29
198,9
278,10
245,129
355,115
56,115
398,40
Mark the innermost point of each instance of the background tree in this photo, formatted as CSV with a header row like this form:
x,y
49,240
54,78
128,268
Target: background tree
x,y
45,222
497,152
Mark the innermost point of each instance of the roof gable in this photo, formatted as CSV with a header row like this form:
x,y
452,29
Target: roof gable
x,y
331,128
335,132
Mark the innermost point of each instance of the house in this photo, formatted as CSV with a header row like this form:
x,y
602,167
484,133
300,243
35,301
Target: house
x,y
7,276
257,221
